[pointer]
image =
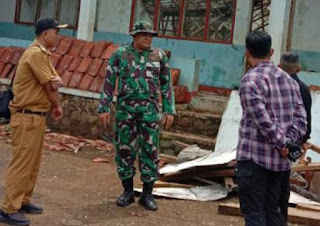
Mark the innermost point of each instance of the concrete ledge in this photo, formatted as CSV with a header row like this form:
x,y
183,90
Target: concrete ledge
x,y
74,92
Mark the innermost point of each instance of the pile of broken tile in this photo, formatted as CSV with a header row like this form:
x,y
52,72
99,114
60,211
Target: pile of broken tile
x,y
61,142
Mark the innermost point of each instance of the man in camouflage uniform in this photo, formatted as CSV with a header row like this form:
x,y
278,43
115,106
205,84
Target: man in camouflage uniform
x,y
143,73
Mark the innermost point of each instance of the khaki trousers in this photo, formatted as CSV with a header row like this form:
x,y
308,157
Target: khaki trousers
x,y
27,141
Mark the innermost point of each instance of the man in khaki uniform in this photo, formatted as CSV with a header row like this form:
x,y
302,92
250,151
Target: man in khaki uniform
x,y
35,94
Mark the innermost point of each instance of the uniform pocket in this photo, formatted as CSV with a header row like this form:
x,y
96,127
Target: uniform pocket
x,y
15,121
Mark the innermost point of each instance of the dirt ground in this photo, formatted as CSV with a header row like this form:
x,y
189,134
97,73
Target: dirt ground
x,y
76,191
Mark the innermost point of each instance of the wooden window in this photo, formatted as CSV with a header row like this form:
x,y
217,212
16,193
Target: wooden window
x,y
65,11
202,20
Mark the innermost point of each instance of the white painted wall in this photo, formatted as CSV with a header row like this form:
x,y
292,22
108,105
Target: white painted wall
x,y
278,27
114,15
242,21
306,29
87,19
7,10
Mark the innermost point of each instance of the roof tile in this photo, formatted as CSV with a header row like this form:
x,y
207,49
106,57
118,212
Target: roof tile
x,y
175,74
13,71
98,48
75,63
8,54
16,56
64,46
84,64
75,79
181,94
95,66
2,50
103,70
86,49
85,82
1,66
76,47
64,62
108,51
66,77
55,58
6,70
97,84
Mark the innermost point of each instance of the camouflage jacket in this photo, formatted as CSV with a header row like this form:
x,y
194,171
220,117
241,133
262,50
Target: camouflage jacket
x,y
141,76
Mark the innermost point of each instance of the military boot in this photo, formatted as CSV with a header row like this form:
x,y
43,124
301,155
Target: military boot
x,y
127,197
146,199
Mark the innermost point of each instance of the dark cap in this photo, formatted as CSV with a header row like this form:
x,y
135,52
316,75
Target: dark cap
x,y
143,27
44,24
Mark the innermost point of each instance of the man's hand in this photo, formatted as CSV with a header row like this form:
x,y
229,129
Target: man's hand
x,y
167,121
56,113
56,82
104,119
284,152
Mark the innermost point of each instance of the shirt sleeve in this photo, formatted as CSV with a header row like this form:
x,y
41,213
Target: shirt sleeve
x,y
252,96
106,94
307,101
166,87
40,66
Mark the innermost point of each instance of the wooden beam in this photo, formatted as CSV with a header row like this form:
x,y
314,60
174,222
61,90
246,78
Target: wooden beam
x,y
314,147
168,158
310,166
203,173
164,184
296,216
308,207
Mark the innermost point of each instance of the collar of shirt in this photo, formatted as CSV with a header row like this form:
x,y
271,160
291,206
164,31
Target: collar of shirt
x,y
264,63
295,77
37,43
131,47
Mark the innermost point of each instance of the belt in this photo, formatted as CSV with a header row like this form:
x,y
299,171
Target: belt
x,y
26,111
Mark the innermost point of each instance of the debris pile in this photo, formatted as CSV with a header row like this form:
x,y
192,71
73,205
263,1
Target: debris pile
x,y
62,142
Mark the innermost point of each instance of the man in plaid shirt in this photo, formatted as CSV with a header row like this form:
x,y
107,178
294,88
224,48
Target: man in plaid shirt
x,y
273,116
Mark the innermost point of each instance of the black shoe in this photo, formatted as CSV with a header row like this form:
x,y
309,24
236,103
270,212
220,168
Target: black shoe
x,y
148,202
126,198
14,218
31,208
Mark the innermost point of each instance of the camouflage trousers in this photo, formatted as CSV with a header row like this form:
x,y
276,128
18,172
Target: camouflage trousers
x,y
137,133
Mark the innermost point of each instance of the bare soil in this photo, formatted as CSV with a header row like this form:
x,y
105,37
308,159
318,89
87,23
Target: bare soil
x,y
76,191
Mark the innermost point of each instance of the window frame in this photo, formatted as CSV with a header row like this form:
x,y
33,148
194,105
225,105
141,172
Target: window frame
x,y
181,18
37,15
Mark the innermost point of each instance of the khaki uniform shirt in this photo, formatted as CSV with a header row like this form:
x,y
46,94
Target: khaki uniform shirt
x,y
33,71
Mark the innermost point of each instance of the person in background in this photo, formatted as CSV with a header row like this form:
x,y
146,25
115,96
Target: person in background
x,y
273,119
35,94
143,73
290,63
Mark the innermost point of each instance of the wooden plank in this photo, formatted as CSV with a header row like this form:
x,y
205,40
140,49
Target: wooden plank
x,y
308,207
162,184
296,216
168,158
310,166
189,174
305,193
314,147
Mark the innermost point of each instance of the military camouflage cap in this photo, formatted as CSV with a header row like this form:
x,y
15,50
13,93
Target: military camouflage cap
x,y
142,27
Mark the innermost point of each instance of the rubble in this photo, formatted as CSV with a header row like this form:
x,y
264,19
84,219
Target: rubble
x,y
61,142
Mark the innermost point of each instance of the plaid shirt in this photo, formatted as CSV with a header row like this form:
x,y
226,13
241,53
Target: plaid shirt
x,y
273,113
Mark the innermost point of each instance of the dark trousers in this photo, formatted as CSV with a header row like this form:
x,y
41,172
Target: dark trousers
x,y
284,197
259,193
